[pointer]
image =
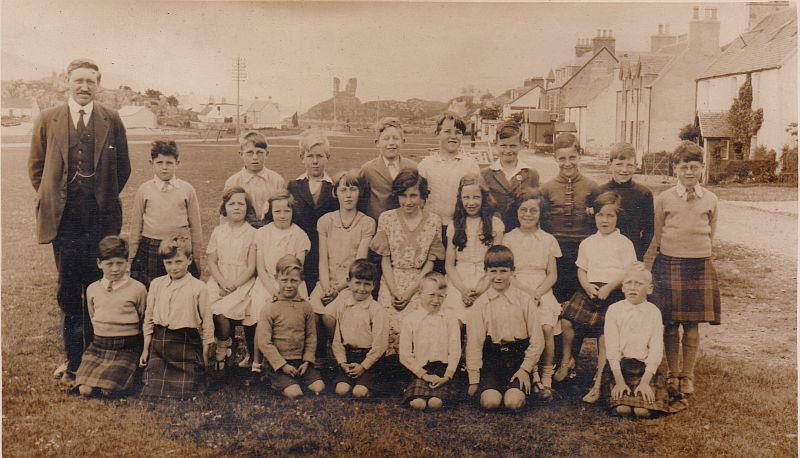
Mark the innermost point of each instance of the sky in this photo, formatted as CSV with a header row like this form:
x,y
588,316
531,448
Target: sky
x,y
293,50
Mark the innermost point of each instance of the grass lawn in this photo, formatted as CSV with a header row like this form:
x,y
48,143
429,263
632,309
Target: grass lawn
x,y
744,406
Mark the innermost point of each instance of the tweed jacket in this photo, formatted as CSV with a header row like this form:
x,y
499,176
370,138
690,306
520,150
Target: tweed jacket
x,y
47,168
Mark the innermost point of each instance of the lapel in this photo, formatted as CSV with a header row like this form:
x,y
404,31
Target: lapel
x,y
100,131
60,126
325,195
305,193
383,171
501,180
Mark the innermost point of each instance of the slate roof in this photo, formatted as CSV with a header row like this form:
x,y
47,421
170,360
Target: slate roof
x,y
766,46
714,124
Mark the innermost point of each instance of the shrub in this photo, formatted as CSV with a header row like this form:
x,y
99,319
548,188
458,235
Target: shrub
x,y
743,171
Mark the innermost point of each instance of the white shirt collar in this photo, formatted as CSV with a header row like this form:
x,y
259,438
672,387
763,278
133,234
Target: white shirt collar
x,y
74,108
396,162
615,233
325,177
698,190
496,165
248,175
116,285
171,184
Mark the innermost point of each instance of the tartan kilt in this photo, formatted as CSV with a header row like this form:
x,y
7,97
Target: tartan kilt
x,y
110,362
419,388
175,369
686,289
147,264
589,313
667,400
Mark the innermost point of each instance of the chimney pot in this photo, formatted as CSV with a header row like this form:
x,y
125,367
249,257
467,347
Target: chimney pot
x,y
660,29
696,13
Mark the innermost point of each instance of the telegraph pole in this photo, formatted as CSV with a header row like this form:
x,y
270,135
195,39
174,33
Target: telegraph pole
x,y
239,74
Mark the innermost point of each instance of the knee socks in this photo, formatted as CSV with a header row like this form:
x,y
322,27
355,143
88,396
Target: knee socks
x,y
672,348
691,343
223,349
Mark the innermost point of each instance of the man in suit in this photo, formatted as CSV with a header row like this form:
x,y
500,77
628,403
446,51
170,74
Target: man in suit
x,y
78,165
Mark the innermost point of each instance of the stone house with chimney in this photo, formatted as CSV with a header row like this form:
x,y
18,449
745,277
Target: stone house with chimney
x,y
657,94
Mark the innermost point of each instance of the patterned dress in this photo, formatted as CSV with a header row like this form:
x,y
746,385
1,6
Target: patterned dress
x,y
409,251
231,246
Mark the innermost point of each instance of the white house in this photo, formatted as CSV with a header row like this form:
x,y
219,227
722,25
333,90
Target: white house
x,y
768,53
138,117
263,113
531,99
219,113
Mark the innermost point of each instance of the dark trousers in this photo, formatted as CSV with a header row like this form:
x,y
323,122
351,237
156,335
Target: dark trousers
x,y
75,252
438,265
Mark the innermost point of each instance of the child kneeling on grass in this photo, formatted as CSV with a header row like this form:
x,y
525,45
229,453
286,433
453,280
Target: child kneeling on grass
x,y
504,337
361,335
177,315
634,339
287,334
116,306
430,346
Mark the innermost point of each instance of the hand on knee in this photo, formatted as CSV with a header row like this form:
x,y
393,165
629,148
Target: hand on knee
x,y
418,404
360,391
293,391
342,389
622,411
317,387
641,412
435,403
491,399
514,399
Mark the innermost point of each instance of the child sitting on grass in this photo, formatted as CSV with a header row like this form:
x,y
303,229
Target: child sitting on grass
x,y
178,327
430,347
361,333
634,347
287,334
116,307
162,206
504,337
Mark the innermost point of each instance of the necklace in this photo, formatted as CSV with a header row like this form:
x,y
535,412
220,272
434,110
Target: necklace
x,y
352,221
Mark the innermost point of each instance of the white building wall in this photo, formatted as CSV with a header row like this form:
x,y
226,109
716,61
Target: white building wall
x,y
598,133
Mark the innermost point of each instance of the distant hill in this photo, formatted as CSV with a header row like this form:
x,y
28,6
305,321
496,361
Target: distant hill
x,y
350,108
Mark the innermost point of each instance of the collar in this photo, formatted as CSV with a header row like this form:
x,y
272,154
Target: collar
x,y
698,190
613,234
104,282
248,175
437,156
297,298
181,281
171,184
615,184
439,313
562,179
74,108
387,162
494,294
496,165
325,177
351,302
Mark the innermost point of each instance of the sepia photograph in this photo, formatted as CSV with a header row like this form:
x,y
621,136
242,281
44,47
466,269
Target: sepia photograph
x,y
397,228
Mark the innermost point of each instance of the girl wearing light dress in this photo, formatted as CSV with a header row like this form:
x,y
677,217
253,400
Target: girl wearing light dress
x,y
474,230
278,238
232,263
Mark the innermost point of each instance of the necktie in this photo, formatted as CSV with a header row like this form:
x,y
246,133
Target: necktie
x,y
393,170
110,285
81,124
690,194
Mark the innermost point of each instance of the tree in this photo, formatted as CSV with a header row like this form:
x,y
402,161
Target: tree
x,y
172,101
152,93
489,112
744,121
487,96
689,132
